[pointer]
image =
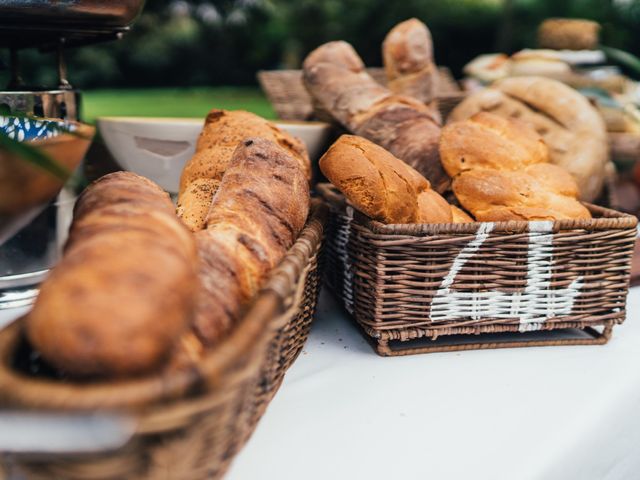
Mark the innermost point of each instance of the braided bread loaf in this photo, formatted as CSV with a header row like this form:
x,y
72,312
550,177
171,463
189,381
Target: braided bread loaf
x,y
570,126
501,172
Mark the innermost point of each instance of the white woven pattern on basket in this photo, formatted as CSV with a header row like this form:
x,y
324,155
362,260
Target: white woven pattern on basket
x,y
535,304
343,239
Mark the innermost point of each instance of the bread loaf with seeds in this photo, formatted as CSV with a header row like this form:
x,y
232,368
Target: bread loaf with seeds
x,y
222,132
259,210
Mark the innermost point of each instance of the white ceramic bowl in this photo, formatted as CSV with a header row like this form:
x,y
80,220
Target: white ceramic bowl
x,y
158,148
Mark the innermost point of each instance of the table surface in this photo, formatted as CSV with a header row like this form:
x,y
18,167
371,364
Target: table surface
x,y
534,413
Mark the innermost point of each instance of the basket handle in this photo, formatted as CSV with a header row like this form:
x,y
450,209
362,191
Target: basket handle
x,y
23,432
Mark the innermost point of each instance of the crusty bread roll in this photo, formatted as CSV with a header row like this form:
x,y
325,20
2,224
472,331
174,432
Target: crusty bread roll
x,y
545,63
257,214
494,195
490,141
222,132
407,52
459,215
380,185
336,78
500,171
570,126
568,34
125,288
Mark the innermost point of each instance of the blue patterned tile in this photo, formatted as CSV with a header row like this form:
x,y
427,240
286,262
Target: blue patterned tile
x,y
27,128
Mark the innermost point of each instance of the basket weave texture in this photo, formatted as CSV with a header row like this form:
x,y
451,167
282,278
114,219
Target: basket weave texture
x,y
407,282
291,101
188,427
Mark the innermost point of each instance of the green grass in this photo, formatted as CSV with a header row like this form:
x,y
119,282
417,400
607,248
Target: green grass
x,y
173,102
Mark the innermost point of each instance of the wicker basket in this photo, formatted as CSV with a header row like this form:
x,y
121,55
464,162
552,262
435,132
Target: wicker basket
x,y
427,288
291,101
180,426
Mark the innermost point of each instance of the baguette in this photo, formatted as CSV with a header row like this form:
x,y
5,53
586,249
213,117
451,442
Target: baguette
x,y
124,290
409,129
407,52
258,212
380,185
222,132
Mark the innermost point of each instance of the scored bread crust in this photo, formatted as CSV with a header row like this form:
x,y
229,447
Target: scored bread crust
x,y
407,53
570,126
257,214
335,77
490,141
222,132
380,185
495,195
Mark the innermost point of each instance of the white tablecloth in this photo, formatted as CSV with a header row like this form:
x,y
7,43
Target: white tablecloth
x,y
537,413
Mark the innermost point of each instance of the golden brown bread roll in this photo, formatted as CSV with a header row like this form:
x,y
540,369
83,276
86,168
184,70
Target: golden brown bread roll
x,y
380,185
460,216
570,126
335,76
256,216
222,132
500,171
407,52
490,141
494,195
124,290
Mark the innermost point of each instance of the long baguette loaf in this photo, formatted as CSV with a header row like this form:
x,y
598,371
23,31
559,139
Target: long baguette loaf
x,y
336,78
407,52
382,186
256,215
124,290
222,132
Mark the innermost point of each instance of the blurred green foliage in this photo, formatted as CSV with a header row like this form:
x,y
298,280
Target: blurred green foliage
x,y
173,102
224,42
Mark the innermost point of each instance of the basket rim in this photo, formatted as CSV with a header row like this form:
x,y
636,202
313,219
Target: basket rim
x,y
608,220
241,346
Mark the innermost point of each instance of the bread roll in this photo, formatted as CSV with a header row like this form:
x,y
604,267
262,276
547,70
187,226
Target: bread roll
x,y
545,63
490,141
222,132
124,291
459,215
488,67
336,78
568,34
494,195
570,126
501,171
407,52
257,214
380,185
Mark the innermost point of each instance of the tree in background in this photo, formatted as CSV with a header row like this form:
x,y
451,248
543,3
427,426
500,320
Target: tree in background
x,y
216,42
